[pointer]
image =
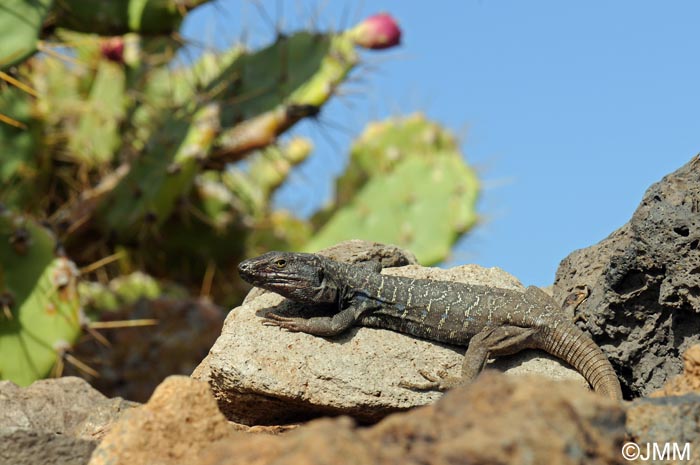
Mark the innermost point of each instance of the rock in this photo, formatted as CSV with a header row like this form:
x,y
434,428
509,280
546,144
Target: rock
x,y
356,250
265,375
496,420
689,381
24,447
644,306
666,420
53,421
178,422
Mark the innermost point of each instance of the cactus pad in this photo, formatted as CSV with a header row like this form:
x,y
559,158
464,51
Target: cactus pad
x,y
109,17
20,23
407,184
41,314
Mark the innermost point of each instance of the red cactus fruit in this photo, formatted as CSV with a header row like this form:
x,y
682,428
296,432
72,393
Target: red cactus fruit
x,y
113,49
377,32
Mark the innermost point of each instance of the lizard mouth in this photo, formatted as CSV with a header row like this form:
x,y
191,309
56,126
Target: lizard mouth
x,y
266,279
277,282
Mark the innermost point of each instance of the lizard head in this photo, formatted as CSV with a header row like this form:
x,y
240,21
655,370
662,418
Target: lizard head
x,y
297,276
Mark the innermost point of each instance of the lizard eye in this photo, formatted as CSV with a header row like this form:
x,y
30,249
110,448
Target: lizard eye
x,y
281,263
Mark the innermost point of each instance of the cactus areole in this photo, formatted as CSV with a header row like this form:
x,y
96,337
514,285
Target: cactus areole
x,y
377,32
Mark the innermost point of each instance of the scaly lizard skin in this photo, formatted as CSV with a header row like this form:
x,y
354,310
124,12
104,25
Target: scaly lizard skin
x,y
488,321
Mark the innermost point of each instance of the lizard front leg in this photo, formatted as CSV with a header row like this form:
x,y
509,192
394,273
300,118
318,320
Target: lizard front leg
x,y
318,326
490,341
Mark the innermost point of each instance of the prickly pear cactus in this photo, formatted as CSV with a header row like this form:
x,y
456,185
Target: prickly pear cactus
x,y
407,184
40,315
243,102
151,172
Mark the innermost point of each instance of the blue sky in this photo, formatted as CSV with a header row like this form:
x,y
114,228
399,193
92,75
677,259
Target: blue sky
x,y
568,110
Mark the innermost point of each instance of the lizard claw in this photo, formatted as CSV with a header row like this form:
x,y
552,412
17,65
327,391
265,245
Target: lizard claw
x,y
439,381
427,386
275,317
285,322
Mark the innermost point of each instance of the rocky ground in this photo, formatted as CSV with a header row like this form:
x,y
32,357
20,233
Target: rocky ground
x,y
266,396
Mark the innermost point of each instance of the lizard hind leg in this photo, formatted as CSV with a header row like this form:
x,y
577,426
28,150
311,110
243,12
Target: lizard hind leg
x,y
490,341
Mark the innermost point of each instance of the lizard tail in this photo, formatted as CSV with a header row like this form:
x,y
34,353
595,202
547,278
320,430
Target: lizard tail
x,y
567,342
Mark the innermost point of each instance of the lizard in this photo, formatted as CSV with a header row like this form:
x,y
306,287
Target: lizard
x,y
488,321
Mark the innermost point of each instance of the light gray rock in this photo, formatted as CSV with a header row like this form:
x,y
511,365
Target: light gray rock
x,y
53,421
264,375
24,447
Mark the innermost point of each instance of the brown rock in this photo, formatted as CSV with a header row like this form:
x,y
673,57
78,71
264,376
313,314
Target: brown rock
x,y
668,423
496,420
689,381
179,421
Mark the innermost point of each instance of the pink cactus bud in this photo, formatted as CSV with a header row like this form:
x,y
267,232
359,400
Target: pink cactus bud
x,y
113,49
377,32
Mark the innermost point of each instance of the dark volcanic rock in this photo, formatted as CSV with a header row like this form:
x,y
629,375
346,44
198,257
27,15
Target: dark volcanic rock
x,y
689,381
644,307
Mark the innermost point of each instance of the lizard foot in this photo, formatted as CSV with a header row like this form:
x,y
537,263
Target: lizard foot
x,y
285,322
434,382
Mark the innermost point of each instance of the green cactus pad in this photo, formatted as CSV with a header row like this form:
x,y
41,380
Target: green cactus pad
x,y
20,165
148,194
260,93
406,184
20,23
263,95
41,311
110,17
96,137
383,144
